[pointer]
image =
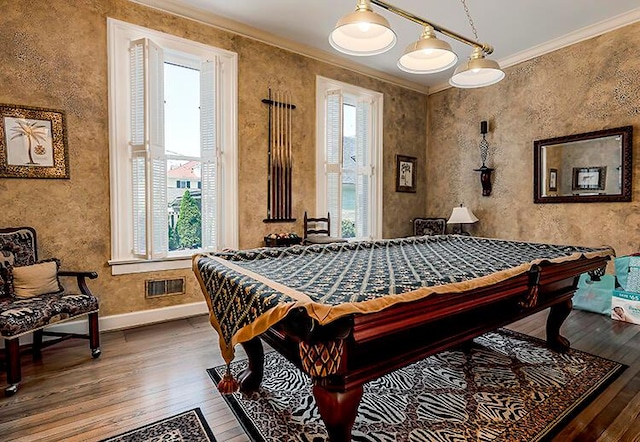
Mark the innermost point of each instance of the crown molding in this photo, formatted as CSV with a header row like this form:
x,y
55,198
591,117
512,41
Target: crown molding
x,y
175,7
572,38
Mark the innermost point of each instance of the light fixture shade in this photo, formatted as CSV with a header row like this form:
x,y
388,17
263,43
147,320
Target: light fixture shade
x,y
462,215
428,55
362,32
476,72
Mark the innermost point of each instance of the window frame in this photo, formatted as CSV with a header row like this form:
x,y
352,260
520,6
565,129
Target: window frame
x,y
323,85
120,35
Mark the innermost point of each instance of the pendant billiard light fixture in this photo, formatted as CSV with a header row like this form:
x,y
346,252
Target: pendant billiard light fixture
x,y
428,55
365,32
477,71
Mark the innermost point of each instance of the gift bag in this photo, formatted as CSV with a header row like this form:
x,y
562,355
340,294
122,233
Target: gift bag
x,y
633,279
628,272
594,296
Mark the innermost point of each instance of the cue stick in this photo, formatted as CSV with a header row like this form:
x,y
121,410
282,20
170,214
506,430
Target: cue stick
x,y
279,150
282,159
273,160
269,162
284,155
275,157
289,161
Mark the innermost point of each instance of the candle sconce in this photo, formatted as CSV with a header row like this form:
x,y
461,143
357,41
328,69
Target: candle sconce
x,y
485,172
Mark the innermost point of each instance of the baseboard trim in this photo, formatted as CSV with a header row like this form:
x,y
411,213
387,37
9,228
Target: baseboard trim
x,y
127,320
146,317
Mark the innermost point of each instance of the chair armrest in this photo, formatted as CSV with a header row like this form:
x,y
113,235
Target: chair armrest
x,y
90,275
80,277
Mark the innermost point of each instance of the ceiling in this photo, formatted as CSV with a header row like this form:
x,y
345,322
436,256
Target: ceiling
x,y
518,30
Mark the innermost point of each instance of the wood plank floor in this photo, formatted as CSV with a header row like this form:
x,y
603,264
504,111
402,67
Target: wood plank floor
x,y
151,372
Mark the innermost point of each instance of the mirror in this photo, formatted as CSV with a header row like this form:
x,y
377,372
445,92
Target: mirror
x,y
583,168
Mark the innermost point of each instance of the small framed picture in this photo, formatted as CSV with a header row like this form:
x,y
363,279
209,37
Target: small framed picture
x,y
589,178
553,180
405,173
33,143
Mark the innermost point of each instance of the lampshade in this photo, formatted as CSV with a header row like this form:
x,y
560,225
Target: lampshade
x,y
362,32
476,72
462,215
427,55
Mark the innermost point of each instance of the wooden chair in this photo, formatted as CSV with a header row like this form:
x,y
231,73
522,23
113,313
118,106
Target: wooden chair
x,y
24,309
318,231
429,226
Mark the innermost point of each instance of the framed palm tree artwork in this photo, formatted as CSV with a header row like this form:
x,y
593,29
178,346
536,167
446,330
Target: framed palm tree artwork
x,y
33,143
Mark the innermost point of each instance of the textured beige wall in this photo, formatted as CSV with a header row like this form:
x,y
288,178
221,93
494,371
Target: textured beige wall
x,y
588,86
55,56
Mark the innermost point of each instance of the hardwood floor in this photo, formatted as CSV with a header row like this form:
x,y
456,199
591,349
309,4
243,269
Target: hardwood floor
x,y
151,372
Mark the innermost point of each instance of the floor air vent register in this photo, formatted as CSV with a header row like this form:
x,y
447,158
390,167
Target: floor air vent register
x,y
164,287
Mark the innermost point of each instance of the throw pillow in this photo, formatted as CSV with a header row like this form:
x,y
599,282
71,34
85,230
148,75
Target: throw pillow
x,y
37,279
7,259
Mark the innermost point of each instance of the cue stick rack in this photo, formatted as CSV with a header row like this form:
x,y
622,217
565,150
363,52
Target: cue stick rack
x,y
279,194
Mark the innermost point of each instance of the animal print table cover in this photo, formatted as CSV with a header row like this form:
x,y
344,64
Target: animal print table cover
x,y
250,290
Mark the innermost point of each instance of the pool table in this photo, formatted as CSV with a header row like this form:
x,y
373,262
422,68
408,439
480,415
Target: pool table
x,y
342,354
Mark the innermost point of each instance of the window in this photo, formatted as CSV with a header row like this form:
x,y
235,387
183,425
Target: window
x,y
172,148
349,159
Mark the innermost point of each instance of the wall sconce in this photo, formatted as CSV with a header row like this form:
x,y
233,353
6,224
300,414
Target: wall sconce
x,y
461,215
485,172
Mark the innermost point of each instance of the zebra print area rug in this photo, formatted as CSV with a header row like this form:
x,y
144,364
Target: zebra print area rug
x,y
189,426
505,386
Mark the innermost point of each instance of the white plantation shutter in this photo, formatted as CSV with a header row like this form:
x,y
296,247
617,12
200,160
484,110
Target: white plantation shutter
x,y
138,150
137,87
138,174
208,148
363,168
333,158
149,165
158,163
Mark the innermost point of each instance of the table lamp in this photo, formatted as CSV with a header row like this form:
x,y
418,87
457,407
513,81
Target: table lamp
x,y
461,215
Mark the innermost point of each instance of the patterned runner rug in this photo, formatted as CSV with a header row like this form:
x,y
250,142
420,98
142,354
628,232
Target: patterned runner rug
x,y
504,386
189,426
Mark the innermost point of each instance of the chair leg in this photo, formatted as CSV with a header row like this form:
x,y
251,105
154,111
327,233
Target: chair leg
x,y
14,376
36,347
94,335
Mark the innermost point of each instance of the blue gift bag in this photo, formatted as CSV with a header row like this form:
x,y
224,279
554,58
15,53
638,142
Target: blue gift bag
x,y
594,296
628,272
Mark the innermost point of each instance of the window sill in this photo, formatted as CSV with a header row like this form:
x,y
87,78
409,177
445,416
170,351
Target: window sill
x,y
124,267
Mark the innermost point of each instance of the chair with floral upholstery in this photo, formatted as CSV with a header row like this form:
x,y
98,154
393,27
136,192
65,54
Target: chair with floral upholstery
x,y
429,226
32,297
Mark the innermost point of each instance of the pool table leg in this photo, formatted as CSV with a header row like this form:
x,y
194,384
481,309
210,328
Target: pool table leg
x,y
338,411
557,314
251,377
